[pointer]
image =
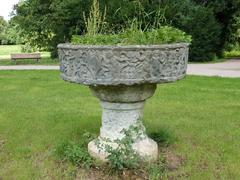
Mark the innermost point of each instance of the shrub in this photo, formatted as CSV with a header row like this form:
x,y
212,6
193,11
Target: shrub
x,y
205,32
27,48
234,39
232,54
119,159
199,22
76,153
123,156
163,136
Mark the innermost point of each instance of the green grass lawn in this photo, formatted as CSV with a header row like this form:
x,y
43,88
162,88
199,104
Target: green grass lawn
x,y
38,111
6,50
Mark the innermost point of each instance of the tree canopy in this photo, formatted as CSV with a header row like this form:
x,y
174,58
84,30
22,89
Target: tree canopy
x,y
213,24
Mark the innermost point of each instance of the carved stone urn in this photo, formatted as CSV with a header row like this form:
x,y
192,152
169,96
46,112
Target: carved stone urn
x,y
123,78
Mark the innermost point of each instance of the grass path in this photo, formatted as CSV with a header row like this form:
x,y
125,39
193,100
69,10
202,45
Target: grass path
x,y
38,111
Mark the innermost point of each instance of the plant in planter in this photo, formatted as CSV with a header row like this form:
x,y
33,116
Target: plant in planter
x,y
122,70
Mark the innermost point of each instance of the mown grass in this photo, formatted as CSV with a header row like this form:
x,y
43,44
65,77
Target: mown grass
x,y
7,50
38,111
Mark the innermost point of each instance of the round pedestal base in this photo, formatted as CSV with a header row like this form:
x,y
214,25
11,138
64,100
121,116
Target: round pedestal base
x,y
146,148
122,114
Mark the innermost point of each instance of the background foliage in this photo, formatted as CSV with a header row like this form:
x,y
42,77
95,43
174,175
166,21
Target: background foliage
x,y
213,24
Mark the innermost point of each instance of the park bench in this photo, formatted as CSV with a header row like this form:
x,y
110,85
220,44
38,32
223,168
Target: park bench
x,y
36,56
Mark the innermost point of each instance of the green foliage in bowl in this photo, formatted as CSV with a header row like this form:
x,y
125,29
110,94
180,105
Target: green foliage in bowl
x,y
135,36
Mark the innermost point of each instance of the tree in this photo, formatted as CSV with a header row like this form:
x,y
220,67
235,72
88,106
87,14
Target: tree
x,y
234,39
198,21
3,25
46,23
226,13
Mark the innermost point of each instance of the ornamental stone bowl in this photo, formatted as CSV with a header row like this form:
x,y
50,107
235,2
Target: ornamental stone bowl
x,y
123,77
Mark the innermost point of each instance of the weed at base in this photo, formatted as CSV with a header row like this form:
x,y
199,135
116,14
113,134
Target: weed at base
x,y
123,162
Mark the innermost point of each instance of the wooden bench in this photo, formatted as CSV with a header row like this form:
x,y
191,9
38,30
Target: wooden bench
x,y
36,56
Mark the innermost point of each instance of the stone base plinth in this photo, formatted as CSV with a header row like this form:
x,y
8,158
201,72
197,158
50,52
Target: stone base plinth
x,y
117,118
146,148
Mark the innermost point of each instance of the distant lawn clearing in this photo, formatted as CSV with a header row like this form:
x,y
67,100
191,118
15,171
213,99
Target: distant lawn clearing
x,y
38,111
42,61
6,50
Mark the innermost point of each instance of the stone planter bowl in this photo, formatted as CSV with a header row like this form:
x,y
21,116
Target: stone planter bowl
x,y
123,77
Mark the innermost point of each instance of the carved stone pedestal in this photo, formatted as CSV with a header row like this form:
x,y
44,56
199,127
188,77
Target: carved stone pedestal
x,y
123,77
122,109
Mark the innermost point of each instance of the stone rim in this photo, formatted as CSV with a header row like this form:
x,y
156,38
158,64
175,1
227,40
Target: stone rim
x,y
119,82
169,59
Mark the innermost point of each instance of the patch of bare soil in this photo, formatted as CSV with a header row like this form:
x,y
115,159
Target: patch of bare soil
x,y
168,159
2,142
102,173
173,161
